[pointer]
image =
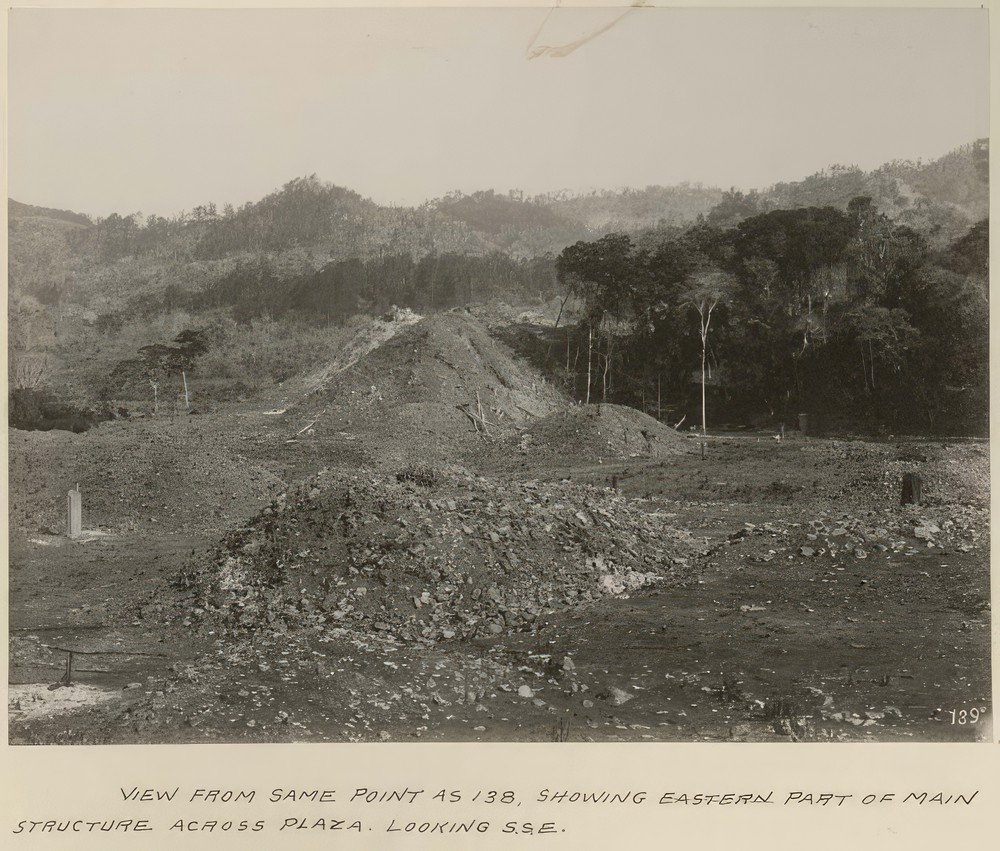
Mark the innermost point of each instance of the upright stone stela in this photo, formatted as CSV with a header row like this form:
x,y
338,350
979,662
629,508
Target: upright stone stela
x,y
74,513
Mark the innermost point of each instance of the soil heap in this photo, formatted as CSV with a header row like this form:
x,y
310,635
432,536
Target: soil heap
x,y
445,376
600,431
158,473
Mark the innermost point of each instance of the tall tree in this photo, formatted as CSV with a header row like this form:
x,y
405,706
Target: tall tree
x,y
707,290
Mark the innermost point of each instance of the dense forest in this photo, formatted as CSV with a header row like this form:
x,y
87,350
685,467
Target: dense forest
x,y
859,297
842,314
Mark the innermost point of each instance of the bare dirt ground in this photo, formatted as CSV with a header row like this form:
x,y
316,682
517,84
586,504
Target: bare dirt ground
x,y
368,567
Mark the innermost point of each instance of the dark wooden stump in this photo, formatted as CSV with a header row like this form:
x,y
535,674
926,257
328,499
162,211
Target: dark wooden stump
x,y
911,489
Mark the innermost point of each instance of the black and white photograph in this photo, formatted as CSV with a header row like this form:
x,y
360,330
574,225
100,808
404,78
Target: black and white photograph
x,y
501,375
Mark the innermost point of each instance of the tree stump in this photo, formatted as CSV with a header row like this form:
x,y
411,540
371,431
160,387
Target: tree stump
x,y
911,489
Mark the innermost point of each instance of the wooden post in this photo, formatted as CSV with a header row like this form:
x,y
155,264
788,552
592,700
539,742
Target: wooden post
x,y
187,403
912,485
74,513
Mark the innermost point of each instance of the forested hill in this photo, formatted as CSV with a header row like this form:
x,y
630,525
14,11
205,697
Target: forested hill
x,y
86,294
15,209
335,223
942,196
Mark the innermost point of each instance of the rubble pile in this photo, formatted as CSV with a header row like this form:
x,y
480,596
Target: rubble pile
x,y
432,554
954,527
844,534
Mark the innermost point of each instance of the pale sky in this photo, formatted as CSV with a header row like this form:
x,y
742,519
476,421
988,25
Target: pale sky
x,y
161,110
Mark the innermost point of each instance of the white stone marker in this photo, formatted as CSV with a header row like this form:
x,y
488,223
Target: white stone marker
x,y
74,514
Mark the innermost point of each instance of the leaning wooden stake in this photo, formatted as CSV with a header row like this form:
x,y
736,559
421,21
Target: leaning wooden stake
x,y
187,403
471,416
479,406
481,423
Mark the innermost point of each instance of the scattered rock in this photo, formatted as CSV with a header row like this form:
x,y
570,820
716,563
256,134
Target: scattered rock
x,y
616,696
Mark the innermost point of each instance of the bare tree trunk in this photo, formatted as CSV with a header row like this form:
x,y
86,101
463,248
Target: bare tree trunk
x,y
706,321
704,420
590,341
611,372
607,368
561,306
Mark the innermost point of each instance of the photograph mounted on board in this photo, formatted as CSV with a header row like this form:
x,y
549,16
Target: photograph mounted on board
x,y
498,375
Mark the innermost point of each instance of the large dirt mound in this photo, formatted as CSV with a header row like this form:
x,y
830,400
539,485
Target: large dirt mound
x,y
427,554
158,474
595,432
448,360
